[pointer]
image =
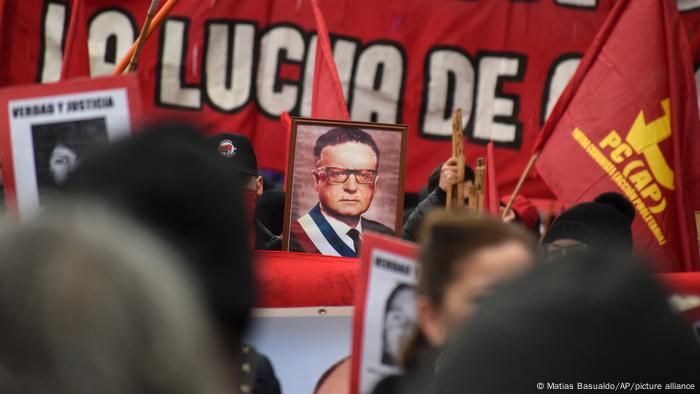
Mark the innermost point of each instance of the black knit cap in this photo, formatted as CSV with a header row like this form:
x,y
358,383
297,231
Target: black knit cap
x,y
168,178
605,223
238,151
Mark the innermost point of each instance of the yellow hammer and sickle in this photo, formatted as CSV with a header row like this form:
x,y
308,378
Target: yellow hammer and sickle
x,y
645,139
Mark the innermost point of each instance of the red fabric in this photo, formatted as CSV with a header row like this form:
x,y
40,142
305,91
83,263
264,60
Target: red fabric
x,y
287,280
291,280
76,59
250,199
493,206
529,214
628,122
328,100
286,121
539,34
685,285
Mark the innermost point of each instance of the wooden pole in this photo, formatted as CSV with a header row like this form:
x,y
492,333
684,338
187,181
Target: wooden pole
x,y
476,199
155,25
455,194
142,36
521,181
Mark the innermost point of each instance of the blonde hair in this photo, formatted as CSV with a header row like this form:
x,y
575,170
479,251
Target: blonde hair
x,y
92,303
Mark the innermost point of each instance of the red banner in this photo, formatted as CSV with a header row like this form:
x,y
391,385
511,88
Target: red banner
x,y
237,65
628,122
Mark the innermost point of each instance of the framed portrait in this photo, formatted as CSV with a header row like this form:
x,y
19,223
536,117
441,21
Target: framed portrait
x,y
343,179
48,129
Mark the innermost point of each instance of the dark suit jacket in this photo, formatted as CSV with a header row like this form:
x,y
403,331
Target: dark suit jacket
x,y
299,242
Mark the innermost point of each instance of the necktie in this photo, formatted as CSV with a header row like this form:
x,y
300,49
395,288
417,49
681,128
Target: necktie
x,y
355,235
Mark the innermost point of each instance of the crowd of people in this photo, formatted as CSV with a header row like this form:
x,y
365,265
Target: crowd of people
x,y
137,277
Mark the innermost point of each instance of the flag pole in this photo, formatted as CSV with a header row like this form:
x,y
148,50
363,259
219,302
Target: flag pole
x,y
455,193
476,196
155,24
521,181
142,40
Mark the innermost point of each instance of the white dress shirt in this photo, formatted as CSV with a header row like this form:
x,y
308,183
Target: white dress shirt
x,y
342,229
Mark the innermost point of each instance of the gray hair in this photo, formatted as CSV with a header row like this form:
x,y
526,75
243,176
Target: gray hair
x,y
91,303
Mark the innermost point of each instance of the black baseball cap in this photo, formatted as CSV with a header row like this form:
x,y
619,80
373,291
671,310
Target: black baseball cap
x,y
237,150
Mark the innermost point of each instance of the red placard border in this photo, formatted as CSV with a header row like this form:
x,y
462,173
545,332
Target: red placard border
x,y
130,82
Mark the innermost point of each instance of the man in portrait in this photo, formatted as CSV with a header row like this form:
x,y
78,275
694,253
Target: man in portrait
x,y
345,177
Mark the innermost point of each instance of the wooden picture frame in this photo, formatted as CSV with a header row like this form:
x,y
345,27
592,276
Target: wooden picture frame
x,y
387,190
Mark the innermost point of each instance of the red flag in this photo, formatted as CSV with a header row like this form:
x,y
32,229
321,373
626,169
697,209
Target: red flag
x,y
493,206
76,60
327,100
287,123
628,122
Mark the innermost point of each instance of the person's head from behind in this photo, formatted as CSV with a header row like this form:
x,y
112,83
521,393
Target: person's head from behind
x,y
589,318
399,320
167,178
90,302
63,161
605,224
346,172
462,258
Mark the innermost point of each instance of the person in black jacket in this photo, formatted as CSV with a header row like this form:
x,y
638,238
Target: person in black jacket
x,y
443,177
238,151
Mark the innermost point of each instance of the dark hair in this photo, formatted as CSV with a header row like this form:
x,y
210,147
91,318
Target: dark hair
x,y
386,357
449,237
434,178
168,178
341,135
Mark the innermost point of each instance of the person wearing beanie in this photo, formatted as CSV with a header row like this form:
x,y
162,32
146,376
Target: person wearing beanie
x,y
605,224
443,177
167,178
238,152
596,320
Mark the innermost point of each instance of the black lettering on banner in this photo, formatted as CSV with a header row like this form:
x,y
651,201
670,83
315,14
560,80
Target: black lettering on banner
x,y
54,27
496,113
688,5
584,4
279,44
377,96
111,31
559,75
171,89
345,56
448,83
228,63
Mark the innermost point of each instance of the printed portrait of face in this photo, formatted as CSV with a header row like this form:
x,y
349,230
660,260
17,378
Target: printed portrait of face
x,y
345,178
62,162
399,322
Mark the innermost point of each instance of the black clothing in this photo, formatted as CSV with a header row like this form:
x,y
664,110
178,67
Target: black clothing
x,y
264,239
257,374
411,229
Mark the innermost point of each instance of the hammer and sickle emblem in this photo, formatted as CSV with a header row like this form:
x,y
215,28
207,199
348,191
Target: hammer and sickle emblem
x,y
645,138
